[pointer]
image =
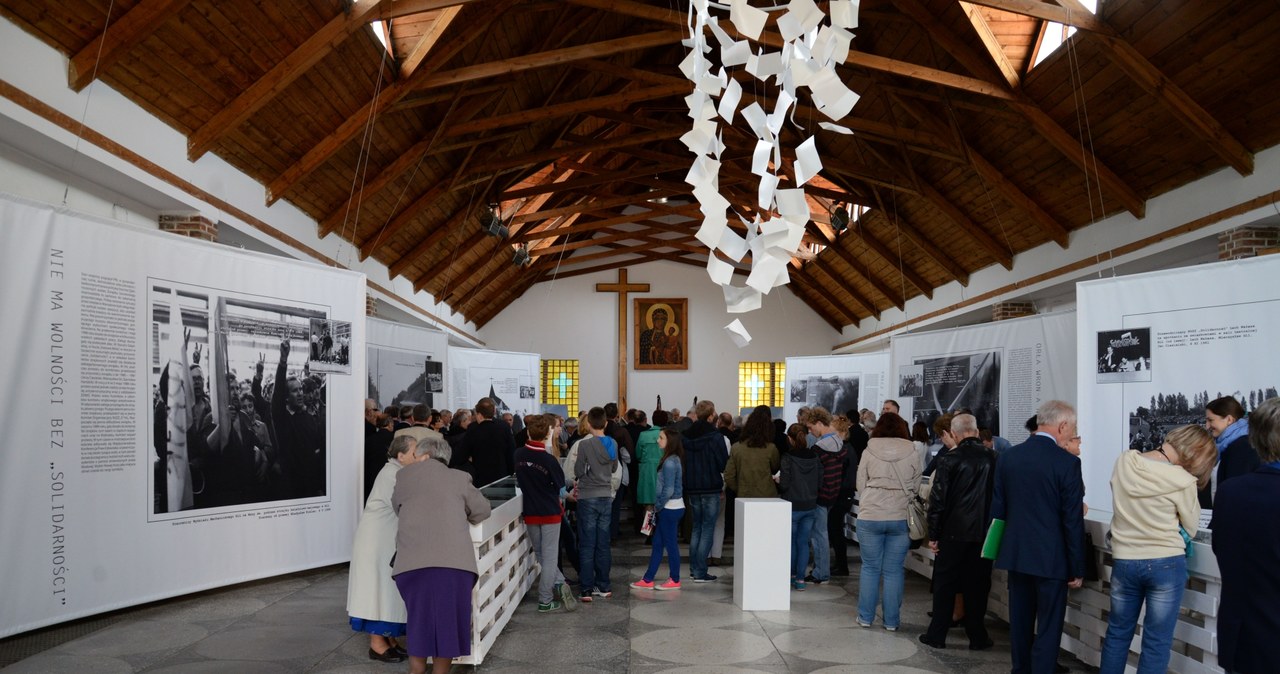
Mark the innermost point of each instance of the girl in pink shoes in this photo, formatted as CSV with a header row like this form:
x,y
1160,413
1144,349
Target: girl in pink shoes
x,y
668,505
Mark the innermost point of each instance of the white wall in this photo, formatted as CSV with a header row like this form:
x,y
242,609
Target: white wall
x,y
569,319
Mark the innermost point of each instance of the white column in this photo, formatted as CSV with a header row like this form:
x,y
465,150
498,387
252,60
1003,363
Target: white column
x,y
762,554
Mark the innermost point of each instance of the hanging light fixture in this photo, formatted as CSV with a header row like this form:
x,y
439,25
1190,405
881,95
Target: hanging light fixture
x,y
491,222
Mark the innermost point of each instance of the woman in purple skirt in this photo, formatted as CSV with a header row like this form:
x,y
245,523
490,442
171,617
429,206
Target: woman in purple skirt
x,y
435,563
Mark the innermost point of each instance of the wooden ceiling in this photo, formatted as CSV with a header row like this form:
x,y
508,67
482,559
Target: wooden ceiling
x,y
567,113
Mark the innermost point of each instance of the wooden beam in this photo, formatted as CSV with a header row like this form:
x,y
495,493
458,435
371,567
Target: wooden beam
x,y
585,207
577,184
628,74
1188,112
283,74
404,217
553,57
1049,12
928,247
428,41
1048,129
538,156
897,299
433,239
592,225
117,38
995,50
807,290
326,147
855,58
526,117
994,249
826,268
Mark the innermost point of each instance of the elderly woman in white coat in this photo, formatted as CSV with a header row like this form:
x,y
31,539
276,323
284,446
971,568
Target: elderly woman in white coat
x,y
373,601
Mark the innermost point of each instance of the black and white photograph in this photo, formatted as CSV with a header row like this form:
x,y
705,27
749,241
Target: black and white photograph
x,y
528,392
950,383
238,413
330,346
1149,422
1124,355
799,391
834,393
403,377
911,381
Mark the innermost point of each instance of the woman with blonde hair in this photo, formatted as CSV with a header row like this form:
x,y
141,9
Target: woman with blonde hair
x,y
1156,511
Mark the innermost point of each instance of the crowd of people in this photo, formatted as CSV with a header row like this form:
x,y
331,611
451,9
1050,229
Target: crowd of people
x,y
1019,508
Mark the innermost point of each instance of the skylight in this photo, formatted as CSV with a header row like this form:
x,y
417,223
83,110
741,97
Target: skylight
x,y
1055,34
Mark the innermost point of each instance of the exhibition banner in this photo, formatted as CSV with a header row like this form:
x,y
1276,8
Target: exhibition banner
x,y
836,383
1157,347
167,410
1000,371
510,378
406,365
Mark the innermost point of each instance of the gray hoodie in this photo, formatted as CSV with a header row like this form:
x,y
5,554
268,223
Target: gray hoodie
x,y
593,469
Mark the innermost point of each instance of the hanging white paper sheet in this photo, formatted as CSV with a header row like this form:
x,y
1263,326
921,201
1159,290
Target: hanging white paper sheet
x,y
738,333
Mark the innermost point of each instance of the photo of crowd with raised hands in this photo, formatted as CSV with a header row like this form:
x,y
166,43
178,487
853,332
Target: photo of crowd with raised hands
x,y
238,416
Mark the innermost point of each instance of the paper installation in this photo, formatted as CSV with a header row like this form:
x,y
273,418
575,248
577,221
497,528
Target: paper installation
x,y
813,44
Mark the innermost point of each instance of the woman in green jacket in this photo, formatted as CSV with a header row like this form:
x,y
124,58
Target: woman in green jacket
x,y
754,458
648,453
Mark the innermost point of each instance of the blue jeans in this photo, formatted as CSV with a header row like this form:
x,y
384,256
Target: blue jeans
x,y
666,539
593,544
821,545
703,510
884,547
801,530
1158,582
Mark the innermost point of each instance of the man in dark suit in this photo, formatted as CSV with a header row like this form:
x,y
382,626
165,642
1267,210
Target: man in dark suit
x,y
376,442
1039,493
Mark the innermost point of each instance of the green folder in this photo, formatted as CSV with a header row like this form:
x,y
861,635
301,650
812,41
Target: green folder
x,y
995,534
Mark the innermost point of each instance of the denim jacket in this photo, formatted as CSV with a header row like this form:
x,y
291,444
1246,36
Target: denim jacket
x,y
670,482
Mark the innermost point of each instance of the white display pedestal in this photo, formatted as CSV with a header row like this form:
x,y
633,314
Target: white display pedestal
x,y
762,554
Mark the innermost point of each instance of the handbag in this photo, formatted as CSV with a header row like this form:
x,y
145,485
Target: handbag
x,y
917,511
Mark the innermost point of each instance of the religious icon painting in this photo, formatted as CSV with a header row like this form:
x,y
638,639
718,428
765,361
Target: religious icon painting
x,y
661,333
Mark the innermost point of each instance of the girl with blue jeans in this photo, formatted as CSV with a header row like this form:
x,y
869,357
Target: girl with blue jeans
x,y
799,480
668,503
888,475
1153,493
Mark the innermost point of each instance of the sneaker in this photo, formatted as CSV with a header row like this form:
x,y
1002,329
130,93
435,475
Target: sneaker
x,y
669,585
890,629
643,584
550,606
566,597
585,597
706,578
797,585
863,625
603,594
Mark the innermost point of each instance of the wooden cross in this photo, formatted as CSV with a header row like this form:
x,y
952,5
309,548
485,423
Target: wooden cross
x,y
622,288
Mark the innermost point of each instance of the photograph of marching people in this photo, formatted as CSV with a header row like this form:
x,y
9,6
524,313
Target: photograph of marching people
x,y
833,392
1124,355
949,383
330,346
238,414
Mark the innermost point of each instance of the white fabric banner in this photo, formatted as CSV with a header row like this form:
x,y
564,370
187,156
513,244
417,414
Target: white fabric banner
x,y
1157,347
178,415
406,365
1001,371
837,383
510,378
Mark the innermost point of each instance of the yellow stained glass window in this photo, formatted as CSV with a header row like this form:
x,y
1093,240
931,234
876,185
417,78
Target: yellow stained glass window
x,y
761,383
560,383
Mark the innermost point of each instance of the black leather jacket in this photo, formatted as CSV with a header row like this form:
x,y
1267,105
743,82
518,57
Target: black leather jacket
x,y
960,496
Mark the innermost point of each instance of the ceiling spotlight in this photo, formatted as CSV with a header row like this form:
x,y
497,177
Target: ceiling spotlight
x,y
521,257
840,219
491,223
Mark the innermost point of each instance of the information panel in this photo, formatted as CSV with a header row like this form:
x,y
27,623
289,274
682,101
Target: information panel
x,y
167,411
837,383
1000,371
510,378
1157,347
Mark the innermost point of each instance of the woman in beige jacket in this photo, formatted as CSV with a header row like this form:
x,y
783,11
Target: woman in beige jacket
x,y
889,464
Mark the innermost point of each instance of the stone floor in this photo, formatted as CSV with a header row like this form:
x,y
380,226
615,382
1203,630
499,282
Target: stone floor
x,y
296,623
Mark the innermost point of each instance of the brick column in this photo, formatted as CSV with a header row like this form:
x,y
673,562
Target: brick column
x,y
370,305
1248,241
189,224
1001,311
